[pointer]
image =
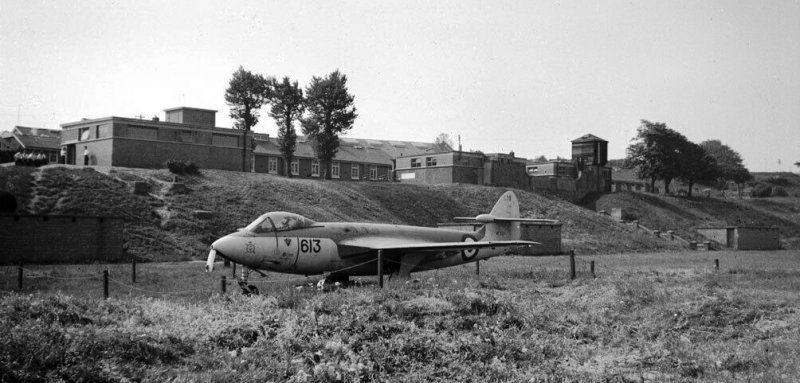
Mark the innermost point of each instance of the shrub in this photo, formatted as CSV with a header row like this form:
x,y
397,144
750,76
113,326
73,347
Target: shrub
x,y
181,167
780,181
778,191
761,191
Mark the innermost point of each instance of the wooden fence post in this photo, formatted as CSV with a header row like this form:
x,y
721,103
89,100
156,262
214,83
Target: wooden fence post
x,y
572,265
223,284
478,267
591,267
133,270
105,284
716,264
380,268
19,276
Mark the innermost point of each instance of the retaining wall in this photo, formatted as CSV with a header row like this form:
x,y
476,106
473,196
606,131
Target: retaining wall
x,y
38,239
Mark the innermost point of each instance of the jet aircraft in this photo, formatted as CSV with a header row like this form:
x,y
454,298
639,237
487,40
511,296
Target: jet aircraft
x,y
290,243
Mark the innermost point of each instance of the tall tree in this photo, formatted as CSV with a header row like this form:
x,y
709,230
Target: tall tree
x,y
729,163
330,113
287,107
246,94
696,165
656,153
444,142
797,164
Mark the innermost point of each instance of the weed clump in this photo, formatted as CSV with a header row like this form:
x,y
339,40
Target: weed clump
x,y
638,292
182,167
236,337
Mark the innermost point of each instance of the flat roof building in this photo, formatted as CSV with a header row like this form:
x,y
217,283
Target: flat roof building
x,y
499,169
188,134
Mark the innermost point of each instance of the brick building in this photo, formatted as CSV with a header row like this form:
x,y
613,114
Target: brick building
x,y
188,134
357,159
744,237
498,169
586,173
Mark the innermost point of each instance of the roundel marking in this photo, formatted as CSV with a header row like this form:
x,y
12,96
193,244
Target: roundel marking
x,y
468,254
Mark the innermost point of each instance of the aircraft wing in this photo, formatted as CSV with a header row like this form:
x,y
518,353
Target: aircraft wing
x,y
406,245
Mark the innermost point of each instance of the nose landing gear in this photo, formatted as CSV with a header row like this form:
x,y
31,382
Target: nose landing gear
x,y
247,289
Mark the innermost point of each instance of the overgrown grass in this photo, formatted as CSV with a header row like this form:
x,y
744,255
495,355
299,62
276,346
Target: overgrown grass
x,y
662,317
17,181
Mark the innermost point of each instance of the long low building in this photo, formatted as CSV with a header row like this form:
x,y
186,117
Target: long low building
x,y
356,159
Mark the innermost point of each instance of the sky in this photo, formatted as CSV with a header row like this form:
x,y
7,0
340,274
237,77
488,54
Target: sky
x,y
522,76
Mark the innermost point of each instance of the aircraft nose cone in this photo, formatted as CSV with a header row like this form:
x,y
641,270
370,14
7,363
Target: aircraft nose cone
x,y
239,249
225,245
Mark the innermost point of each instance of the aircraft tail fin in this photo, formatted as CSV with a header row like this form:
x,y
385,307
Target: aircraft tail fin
x,y
506,207
502,223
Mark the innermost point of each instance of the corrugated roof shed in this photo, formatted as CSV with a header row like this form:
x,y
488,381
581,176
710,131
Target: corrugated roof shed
x,y
37,138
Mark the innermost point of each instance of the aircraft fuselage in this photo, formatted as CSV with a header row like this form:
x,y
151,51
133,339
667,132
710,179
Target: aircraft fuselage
x,y
317,249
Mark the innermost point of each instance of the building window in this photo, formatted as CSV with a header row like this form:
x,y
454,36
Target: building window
x,y
187,136
272,165
225,140
373,172
83,134
354,171
295,167
416,163
335,169
143,132
315,168
430,161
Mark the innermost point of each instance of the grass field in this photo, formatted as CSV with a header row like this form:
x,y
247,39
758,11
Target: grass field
x,y
645,317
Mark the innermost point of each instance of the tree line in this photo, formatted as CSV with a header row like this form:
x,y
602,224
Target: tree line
x,y
660,153
325,111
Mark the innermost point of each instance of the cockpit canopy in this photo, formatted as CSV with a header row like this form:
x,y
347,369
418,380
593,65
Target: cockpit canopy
x,y
278,221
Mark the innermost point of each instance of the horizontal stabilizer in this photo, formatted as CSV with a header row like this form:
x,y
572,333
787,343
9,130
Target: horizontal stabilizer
x,y
487,218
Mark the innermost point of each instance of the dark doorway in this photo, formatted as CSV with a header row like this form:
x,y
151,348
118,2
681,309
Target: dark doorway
x,y
71,154
731,237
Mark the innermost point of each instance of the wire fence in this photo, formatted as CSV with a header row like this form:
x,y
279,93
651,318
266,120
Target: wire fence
x,y
570,263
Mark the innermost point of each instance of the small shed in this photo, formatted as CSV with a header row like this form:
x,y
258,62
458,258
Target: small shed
x,y
744,237
544,232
